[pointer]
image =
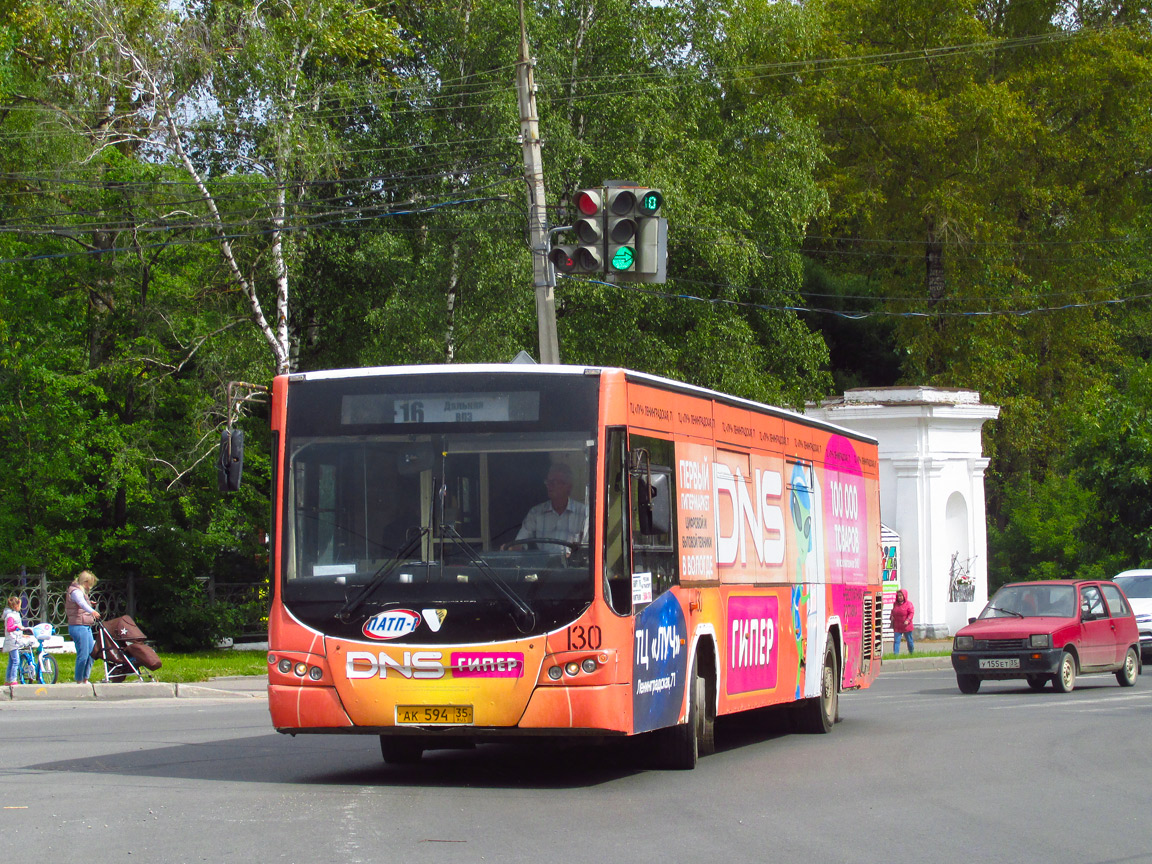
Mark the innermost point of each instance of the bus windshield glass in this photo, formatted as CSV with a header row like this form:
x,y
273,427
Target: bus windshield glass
x,y
467,507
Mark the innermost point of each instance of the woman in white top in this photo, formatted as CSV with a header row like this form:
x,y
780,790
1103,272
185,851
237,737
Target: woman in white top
x,y
81,616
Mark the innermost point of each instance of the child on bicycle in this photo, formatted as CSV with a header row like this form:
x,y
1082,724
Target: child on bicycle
x,y
13,631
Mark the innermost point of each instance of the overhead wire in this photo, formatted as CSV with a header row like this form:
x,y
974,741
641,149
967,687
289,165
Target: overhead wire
x,y
875,313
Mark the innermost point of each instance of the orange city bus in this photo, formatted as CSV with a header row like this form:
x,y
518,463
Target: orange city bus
x,y
713,555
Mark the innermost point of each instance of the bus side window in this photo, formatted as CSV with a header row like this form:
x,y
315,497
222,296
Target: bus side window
x,y
617,575
653,553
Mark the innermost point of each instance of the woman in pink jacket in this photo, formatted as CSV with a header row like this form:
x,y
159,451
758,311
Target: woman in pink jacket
x,y
902,611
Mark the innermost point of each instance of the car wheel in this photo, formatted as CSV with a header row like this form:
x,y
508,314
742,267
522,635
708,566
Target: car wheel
x,y
1037,682
968,683
1127,673
1065,679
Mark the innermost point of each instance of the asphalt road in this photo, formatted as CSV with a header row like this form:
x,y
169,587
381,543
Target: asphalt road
x,y
915,772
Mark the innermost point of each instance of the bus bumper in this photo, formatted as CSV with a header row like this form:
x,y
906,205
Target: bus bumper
x,y
607,707
303,707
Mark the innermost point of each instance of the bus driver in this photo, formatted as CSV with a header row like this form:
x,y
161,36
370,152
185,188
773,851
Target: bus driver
x,y
561,517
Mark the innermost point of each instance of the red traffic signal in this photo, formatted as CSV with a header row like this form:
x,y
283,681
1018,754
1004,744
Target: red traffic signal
x,y
564,259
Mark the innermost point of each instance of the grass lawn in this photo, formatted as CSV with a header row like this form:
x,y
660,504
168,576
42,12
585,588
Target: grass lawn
x,y
903,655
188,668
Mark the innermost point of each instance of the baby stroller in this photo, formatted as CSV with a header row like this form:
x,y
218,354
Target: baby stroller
x,y
120,644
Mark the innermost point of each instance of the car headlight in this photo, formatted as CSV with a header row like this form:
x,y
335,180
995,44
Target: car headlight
x,y
1041,640
963,643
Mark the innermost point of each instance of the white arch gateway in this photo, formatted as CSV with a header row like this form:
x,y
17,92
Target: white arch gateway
x,y
931,492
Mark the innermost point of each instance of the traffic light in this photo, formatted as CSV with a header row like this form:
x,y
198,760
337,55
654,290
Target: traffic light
x,y
230,463
651,237
590,230
621,255
620,232
564,259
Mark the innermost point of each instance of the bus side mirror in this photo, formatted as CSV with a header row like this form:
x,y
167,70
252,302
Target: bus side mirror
x,y
655,514
231,462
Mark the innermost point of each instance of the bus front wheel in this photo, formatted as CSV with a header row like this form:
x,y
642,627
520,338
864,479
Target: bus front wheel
x,y
681,745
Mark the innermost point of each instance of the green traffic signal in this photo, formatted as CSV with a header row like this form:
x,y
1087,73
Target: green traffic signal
x,y
623,258
650,202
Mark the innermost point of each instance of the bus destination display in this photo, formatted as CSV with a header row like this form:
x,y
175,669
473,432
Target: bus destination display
x,y
421,408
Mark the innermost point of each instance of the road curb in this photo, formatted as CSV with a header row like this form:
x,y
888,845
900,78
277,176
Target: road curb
x,y
135,690
206,691
94,691
914,664
48,692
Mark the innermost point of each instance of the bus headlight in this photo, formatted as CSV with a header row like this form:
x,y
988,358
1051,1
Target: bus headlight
x,y
315,673
572,668
285,665
555,672
589,665
301,669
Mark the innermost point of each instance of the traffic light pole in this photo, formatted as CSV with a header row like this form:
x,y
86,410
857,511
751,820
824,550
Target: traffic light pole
x,y
542,274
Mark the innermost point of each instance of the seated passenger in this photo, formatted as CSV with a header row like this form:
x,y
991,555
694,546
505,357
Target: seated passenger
x,y
561,517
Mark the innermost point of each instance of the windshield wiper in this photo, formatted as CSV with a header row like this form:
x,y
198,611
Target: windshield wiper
x,y
526,611
1005,611
379,576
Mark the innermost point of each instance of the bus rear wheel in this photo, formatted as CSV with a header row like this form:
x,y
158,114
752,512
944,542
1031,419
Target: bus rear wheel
x,y
817,716
401,751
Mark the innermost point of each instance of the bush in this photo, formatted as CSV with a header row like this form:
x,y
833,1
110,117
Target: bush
x,y
178,616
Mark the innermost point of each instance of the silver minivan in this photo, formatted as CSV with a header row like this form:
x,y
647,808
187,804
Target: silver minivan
x,y
1137,584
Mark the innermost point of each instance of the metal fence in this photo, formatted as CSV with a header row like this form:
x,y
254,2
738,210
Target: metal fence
x,y
42,599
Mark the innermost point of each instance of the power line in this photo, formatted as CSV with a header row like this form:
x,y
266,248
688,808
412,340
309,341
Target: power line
x,y
879,313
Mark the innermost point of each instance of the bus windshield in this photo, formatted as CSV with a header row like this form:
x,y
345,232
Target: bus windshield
x,y
437,517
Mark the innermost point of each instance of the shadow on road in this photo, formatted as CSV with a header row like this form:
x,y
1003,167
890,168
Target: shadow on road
x,y
345,760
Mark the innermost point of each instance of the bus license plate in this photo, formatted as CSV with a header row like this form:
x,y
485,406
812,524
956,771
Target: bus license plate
x,y
434,715
1012,663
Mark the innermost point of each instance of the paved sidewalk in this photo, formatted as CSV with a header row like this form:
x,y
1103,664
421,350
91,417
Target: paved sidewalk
x,y
911,663
240,687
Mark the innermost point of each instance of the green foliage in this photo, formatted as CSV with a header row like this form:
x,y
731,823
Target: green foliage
x,y
1113,459
178,616
935,159
984,160
1042,537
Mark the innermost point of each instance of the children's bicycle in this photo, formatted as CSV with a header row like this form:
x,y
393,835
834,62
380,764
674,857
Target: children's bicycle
x,y
36,665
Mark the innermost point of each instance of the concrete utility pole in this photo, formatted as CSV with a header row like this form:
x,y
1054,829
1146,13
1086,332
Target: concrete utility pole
x,y
542,274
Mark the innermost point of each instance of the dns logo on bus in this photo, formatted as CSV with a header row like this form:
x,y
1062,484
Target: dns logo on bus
x,y
391,624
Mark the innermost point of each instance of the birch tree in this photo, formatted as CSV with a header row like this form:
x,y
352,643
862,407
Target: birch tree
x,y
245,98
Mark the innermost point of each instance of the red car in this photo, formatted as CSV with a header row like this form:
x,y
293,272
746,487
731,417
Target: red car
x,y
1049,631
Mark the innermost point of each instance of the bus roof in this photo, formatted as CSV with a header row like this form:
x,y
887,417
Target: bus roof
x,y
557,369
